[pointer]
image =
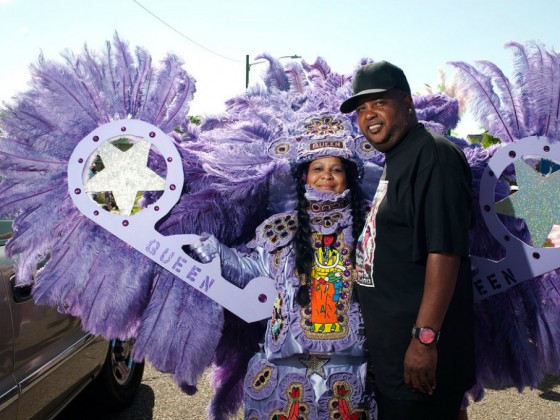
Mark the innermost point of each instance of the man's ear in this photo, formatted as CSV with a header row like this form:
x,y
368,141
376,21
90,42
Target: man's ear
x,y
408,101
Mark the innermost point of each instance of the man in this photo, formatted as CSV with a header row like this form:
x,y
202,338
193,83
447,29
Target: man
x,y
413,256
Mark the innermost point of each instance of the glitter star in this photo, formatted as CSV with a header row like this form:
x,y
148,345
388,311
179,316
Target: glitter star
x,y
537,201
315,365
125,174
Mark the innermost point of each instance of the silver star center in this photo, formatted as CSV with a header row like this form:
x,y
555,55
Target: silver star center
x,y
315,365
125,174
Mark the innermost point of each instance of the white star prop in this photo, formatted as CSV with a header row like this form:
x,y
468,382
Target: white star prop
x,y
125,174
537,201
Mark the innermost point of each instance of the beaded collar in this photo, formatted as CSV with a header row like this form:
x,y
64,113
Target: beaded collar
x,y
326,201
327,210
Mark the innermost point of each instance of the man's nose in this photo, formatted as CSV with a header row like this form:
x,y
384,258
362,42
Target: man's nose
x,y
370,113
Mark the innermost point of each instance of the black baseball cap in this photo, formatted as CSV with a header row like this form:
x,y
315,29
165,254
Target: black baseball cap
x,y
374,78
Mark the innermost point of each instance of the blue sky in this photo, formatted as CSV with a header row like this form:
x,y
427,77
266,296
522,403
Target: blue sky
x,y
419,36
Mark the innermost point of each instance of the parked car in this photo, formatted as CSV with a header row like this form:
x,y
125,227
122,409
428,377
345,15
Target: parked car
x,y
46,359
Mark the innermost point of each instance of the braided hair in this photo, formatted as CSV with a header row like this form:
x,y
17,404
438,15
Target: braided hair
x,y
302,240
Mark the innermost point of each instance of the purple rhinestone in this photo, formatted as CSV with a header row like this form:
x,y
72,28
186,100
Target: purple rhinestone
x,y
346,284
512,154
340,318
344,251
262,298
172,187
96,213
348,262
77,191
343,295
337,244
123,129
308,322
340,306
536,255
80,160
308,311
170,159
125,223
156,208
546,148
152,134
317,244
95,138
269,233
347,273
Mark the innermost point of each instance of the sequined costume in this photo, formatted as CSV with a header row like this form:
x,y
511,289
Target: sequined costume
x,y
313,363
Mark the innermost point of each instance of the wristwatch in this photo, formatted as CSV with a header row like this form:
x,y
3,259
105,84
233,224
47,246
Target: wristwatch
x,y
425,335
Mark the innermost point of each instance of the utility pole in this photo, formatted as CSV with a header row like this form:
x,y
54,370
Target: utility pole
x,y
247,70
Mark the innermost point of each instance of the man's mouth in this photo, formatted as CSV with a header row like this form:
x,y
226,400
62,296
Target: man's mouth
x,y
374,128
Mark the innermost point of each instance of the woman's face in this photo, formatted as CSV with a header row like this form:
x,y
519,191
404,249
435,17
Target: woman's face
x,y
327,174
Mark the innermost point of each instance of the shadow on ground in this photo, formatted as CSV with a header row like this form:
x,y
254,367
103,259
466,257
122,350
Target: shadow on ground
x,y
85,407
547,387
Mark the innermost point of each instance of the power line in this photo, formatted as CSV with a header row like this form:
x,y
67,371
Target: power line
x,y
183,35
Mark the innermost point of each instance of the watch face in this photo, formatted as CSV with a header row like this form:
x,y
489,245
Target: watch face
x,y
427,336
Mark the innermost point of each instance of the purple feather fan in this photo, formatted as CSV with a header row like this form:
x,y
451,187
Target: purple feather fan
x,y
517,332
42,127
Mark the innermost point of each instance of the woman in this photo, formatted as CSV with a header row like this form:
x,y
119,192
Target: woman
x,y
312,363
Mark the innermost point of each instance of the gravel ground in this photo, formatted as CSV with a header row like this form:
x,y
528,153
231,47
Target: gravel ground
x,y
160,399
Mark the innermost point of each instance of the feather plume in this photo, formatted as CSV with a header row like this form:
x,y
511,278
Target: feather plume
x,y
530,106
438,111
275,76
296,77
485,103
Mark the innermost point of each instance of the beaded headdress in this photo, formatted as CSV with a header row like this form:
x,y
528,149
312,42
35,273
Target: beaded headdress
x,y
320,136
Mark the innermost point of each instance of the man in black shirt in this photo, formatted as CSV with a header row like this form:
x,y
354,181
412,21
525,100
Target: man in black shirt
x,y
413,256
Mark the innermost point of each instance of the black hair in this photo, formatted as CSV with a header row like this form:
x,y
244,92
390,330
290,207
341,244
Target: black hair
x,y
302,240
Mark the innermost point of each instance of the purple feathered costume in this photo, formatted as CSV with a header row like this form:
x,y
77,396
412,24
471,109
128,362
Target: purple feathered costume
x,y
231,186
